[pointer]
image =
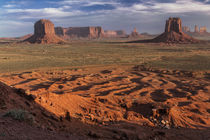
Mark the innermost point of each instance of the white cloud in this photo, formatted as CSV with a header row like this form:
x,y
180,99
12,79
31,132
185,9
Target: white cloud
x,y
180,6
44,12
148,16
9,6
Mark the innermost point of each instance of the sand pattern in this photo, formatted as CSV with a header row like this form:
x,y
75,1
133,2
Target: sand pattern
x,y
106,96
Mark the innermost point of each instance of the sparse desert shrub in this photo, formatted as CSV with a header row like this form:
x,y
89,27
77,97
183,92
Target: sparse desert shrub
x,y
20,115
2,134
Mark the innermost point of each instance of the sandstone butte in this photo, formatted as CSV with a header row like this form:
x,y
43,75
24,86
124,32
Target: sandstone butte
x,y
44,33
173,33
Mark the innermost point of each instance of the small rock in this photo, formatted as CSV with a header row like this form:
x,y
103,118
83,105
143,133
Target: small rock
x,y
167,126
163,122
91,117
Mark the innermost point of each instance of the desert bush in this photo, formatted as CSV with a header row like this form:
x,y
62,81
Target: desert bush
x,y
20,115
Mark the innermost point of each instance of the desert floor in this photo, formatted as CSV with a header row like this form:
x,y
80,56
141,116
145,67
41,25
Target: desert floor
x,y
109,89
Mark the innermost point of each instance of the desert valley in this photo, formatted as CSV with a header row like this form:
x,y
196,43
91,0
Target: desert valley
x,y
80,83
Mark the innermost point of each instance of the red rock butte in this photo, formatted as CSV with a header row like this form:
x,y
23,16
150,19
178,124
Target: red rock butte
x,y
173,33
44,33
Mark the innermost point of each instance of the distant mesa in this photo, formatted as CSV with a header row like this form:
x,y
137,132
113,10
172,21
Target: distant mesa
x,y
134,34
198,31
173,34
80,32
121,33
110,33
115,33
93,32
44,33
203,29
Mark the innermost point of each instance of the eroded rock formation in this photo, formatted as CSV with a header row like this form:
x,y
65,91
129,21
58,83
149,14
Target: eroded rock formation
x,y
134,34
44,33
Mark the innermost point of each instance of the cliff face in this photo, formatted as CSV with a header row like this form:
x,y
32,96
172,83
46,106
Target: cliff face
x,y
59,31
173,24
44,27
80,32
44,33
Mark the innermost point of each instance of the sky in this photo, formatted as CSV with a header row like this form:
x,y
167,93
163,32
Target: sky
x,y
17,17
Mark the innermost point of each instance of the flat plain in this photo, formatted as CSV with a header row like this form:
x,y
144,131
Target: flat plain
x,y
20,57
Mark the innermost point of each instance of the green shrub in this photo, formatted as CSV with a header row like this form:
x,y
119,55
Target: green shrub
x,y
20,115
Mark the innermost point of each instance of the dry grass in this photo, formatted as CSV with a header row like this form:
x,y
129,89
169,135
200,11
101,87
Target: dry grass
x,y
19,57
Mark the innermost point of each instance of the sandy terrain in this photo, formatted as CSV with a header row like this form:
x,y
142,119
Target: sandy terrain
x,y
122,102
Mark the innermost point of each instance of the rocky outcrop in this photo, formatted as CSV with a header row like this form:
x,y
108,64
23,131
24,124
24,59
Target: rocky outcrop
x,y
79,32
44,33
134,34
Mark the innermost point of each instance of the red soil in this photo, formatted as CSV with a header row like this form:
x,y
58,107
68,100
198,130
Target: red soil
x,y
113,103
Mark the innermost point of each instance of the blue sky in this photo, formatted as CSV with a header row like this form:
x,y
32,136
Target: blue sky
x,y
18,16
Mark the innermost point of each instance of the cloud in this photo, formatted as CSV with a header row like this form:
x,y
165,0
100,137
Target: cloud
x,y
179,6
146,15
43,13
9,6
